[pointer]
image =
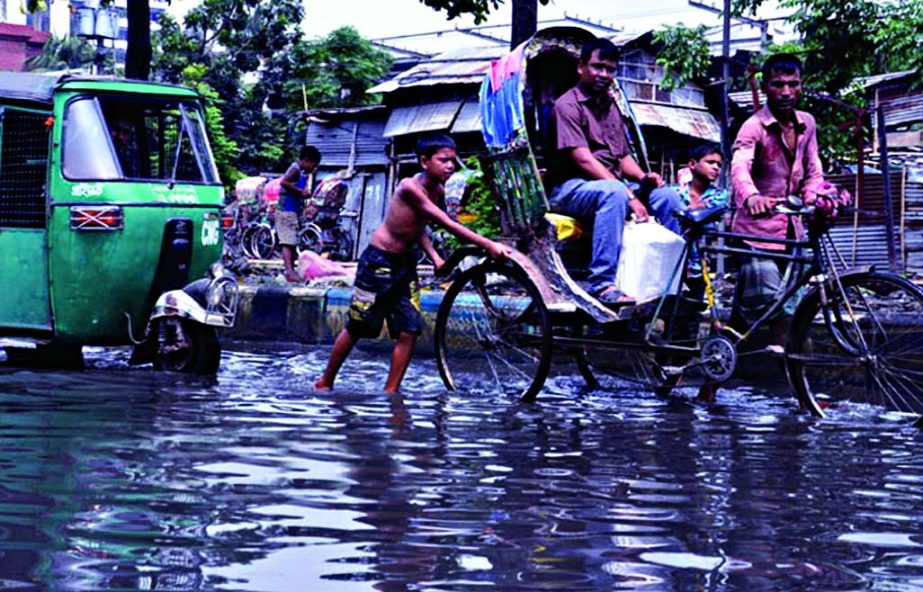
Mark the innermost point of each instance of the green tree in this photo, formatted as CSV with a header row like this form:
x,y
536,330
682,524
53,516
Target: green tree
x,y
63,53
685,54
253,54
335,70
479,9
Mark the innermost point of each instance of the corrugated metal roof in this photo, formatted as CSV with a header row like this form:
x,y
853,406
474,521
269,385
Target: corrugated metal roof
x,y
691,122
866,245
878,79
421,118
466,65
37,88
469,118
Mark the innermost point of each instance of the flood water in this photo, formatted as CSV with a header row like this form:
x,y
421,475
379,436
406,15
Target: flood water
x,y
125,479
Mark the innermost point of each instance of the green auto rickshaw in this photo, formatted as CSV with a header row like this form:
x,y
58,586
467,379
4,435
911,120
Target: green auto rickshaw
x,y
110,222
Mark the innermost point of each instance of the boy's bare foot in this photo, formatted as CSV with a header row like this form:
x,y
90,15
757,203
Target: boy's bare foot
x,y
321,385
708,393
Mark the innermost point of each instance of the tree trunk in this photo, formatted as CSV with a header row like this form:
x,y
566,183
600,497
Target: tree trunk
x,y
525,21
139,54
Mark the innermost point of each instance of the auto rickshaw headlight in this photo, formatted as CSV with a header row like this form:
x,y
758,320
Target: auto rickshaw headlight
x,y
216,270
214,294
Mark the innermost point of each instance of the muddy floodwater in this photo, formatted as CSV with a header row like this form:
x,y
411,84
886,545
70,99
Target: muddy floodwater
x,y
126,479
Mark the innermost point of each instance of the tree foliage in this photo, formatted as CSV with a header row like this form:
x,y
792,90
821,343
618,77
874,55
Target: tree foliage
x,y
336,70
479,9
254,56
64,53
685,54
841,42
846,39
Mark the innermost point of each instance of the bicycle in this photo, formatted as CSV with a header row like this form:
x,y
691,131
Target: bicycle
x,y
328,226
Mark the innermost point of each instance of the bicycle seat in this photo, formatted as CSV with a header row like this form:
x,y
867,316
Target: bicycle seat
x,y
700,218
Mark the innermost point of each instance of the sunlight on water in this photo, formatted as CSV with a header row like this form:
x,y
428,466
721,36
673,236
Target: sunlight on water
x,y
119,478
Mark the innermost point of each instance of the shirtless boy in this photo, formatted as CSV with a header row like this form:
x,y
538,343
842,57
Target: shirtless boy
x,y
386,279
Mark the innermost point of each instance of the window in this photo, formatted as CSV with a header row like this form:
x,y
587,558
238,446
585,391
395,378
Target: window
x,y
23,168
141,139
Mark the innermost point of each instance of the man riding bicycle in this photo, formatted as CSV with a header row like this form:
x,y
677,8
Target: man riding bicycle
x,y
775,155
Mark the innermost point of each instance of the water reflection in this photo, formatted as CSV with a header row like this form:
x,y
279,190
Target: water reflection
x,y
117,479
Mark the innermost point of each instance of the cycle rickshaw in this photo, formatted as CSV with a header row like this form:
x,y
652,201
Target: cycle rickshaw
x,y
857,335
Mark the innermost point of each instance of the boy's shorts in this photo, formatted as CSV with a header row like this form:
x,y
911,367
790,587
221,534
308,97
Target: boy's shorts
x,y
386,287
287,228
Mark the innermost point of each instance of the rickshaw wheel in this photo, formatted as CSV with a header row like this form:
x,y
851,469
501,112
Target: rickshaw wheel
x,y
186,346
310,239
865,349
493,333
263,242
246,240
613,367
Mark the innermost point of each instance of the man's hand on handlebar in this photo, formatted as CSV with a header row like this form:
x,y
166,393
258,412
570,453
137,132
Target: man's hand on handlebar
x,y
760,205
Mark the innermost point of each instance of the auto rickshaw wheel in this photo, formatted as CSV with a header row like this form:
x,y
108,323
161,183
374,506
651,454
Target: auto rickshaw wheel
x,y
186,346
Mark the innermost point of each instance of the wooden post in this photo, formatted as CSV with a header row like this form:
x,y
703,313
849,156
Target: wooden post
x,y
886,186
525,21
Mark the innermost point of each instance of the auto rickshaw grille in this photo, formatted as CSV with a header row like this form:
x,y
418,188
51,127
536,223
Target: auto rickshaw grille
x,y
23,168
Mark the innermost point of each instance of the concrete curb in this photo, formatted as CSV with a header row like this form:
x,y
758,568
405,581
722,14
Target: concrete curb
x,y
310,315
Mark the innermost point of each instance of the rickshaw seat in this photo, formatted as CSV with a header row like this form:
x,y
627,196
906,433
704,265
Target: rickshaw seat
x,y
696,220
565,227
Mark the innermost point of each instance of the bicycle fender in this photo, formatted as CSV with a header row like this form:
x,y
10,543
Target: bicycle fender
x,y
453,260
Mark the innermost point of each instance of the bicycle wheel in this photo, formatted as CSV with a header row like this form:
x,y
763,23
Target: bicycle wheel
x,y
246,240
866,347
263,242
310,239
493,332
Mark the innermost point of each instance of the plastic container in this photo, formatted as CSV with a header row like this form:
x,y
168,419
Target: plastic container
x,y
647,260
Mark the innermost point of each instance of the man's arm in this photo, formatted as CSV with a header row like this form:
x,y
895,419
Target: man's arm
x,y
290,180
746,194
416,197
588,164
744,152
632,170
431,251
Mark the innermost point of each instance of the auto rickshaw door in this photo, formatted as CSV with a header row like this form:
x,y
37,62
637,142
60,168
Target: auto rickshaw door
x,y
24,138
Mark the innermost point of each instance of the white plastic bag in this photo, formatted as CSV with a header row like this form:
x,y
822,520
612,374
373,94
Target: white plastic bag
x,y
647,259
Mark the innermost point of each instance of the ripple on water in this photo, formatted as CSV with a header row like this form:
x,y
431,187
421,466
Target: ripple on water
x,y
119,478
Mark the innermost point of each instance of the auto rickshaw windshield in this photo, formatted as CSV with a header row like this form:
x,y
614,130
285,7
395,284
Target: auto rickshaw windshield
x,y
144,139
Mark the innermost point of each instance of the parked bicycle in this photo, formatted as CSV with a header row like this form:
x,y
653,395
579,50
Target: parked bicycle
x,y
328,226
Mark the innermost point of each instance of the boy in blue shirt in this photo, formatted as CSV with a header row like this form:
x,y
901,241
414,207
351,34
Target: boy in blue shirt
x,y
699,192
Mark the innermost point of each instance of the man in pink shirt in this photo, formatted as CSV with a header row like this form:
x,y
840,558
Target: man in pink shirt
x,y
775,155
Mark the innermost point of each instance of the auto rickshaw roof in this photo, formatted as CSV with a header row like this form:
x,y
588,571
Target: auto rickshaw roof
x,y
40,87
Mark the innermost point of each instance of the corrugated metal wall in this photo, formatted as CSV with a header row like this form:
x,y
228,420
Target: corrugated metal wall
x,y
862,239
335,141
